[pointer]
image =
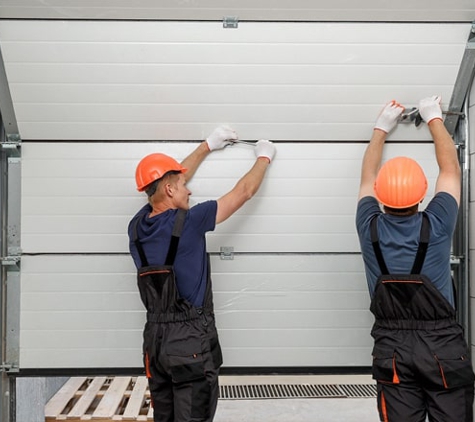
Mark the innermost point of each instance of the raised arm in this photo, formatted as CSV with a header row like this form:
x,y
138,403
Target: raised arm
x,y
449,176
386,121
218,139
249,184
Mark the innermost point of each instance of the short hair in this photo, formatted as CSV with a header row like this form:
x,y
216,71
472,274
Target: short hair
x,y
401,211
152,187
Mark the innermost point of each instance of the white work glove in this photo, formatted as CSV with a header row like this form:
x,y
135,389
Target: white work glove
x,y
265,148
389,116
221,137
429,108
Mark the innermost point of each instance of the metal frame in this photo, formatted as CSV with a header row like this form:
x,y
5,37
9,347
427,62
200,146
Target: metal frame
x,y
457,125
462,84
10,196
460,245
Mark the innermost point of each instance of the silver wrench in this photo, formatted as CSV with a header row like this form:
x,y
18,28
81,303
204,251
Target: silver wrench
x,y
238,141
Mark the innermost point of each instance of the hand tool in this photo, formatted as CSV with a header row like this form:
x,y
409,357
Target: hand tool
x,y
412,115
238,141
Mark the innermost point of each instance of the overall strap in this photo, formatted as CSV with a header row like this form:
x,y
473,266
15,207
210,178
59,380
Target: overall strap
x,y
376,247
176,233
138,245
423,244
421,251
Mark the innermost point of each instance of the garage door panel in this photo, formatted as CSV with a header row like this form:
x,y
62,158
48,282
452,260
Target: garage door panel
x,y
284,242
313,282
306,202
288,356
243,94
245,75
73,304
288,300
284,319
78,320
315,80
62,301
228,52
272,338
44,357
79,339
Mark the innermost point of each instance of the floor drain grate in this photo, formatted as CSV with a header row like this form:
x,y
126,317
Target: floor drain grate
x,y
358,390
282,391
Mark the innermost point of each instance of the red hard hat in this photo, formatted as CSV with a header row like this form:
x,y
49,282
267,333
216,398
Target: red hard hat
x,y
400,183
153,167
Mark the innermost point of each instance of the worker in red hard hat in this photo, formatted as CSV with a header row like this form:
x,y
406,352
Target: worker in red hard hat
x,y
420,358
181,350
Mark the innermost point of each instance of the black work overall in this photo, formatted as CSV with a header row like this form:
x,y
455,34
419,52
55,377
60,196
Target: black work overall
x,y
420,357
181,350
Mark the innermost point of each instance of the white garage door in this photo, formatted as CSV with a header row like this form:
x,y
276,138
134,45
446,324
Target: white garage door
x,y
91,98
294,294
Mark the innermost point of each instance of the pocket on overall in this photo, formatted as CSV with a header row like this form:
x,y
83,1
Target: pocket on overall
x,y
185,359
187,367
384,364
454,366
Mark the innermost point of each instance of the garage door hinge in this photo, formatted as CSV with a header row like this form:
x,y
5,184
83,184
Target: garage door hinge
x,y
12,146
8,367
456,259
227,253
8,261
230,22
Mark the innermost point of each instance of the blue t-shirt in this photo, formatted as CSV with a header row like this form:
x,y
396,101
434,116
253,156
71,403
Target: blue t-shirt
x,y
399,240
191,264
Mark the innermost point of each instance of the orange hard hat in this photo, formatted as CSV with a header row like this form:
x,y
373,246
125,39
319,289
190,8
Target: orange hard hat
x,y
154,167
400,183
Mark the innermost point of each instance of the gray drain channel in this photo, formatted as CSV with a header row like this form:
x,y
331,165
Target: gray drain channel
x,y
285,391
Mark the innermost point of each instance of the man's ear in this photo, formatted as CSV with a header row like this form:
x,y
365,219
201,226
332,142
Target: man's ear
x,y
168,189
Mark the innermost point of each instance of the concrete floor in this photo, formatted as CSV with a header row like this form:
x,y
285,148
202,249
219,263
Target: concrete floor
x,y
297,410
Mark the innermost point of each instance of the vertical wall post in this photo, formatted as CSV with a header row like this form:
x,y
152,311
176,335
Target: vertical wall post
x,y
10,196
462,84
460,249
456,122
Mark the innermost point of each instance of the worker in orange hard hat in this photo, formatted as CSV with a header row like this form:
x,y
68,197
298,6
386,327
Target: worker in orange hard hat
x,y
400,184
182,355
152,168
420,358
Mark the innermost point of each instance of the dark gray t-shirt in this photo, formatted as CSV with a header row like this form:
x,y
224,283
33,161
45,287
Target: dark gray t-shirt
x,y
399,240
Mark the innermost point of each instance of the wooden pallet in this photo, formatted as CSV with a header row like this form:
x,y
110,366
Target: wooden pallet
x,y
104,399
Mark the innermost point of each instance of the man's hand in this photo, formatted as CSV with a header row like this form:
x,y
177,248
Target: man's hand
x,y
389,116
265,148
221,137
429,108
